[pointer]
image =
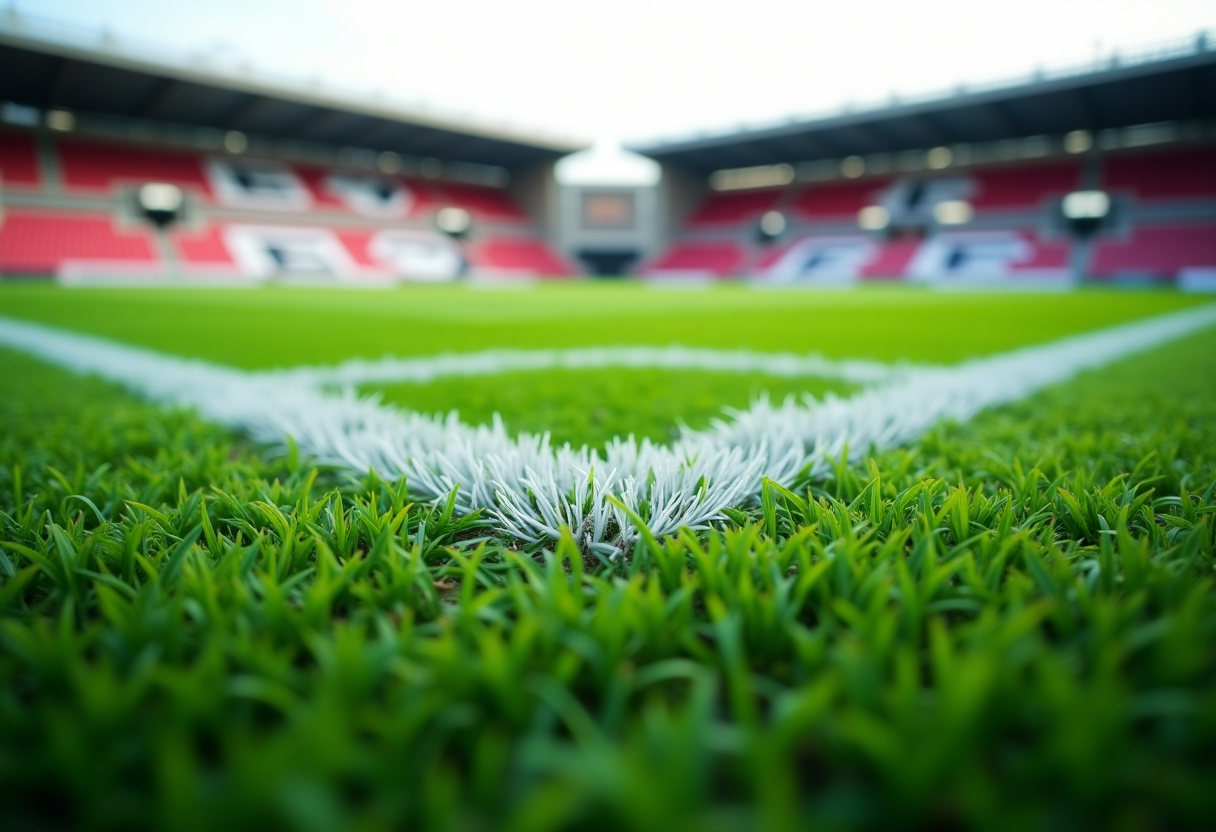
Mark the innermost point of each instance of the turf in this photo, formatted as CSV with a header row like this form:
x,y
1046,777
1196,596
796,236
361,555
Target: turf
x,y
288,327
593,406
1008,625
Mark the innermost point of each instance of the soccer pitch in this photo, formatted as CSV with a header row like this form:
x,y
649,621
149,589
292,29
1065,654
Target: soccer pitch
x,y
974,587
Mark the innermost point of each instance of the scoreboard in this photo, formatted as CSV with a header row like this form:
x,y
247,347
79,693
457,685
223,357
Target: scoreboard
x,y
608,211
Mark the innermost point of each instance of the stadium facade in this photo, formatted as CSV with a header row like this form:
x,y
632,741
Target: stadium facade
x,y
118,163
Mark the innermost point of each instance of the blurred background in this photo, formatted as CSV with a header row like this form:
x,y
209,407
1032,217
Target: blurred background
x,y
686,142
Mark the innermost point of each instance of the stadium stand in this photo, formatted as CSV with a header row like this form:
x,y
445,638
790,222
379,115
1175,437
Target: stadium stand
x,y
103,166
275,176
375,196
203,249
967,184
892,260
40,242
489,203
250,217
1015,232
521,257
262,250
988,255
1153,177
1156,252
698,259
1023,187
342,187
839,201
733,208
359,242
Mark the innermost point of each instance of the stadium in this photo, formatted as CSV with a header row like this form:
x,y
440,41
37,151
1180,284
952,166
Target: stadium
x,y
856,470
120,167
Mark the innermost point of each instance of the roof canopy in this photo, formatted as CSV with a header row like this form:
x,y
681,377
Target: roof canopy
x,y
1174,83
50,67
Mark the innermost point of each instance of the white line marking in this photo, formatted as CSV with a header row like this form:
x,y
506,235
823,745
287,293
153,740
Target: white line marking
x,y
532,489
494,362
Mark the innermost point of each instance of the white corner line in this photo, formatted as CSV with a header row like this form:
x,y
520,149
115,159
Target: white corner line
x,y
425,369
531,489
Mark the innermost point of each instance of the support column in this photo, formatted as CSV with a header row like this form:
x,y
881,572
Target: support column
x,y
680,191
1081,256
48,163
167,252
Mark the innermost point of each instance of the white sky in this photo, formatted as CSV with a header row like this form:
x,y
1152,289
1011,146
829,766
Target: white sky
x,y
637,69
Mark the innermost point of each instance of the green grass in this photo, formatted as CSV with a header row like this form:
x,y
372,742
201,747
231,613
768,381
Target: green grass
x,y
283,327
593,406
287,327
1008,625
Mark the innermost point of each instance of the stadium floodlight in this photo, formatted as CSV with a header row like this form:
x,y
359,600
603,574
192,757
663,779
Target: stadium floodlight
x,y
852,167
873,218
235,141
455,222
60,120
953,212
939,157
772,226
1078,141
161,202
389,162
1086,205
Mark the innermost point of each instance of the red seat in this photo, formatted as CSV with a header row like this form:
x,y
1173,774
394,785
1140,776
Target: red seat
x,y
204,247
522,255
89,165
717,259
837,200
1023,186
734,208
422,201
19,161
357,242
1175,174
1048,254
38,242
892,260
770,255
490,203
207,249
95,168
1160,251
314,180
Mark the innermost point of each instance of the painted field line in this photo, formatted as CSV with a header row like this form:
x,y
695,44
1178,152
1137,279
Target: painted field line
x,y
531,489
497,361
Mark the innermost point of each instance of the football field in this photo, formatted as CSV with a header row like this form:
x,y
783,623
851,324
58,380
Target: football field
x,y
597,555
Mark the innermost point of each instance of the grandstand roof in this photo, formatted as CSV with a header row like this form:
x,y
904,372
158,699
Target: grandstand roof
x,y
50,65
1165,82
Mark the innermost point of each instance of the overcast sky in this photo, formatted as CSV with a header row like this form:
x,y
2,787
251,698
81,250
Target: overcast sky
x,y
636,69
